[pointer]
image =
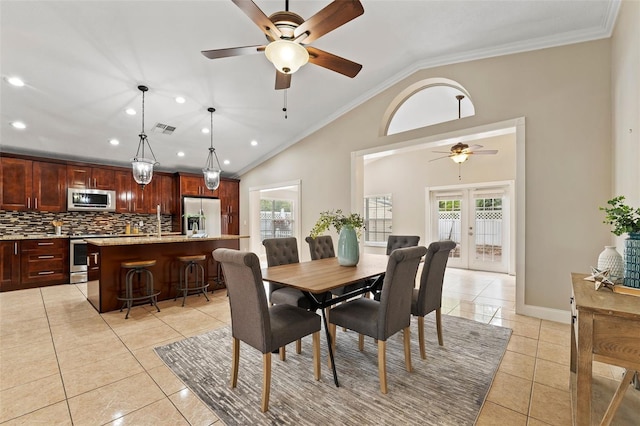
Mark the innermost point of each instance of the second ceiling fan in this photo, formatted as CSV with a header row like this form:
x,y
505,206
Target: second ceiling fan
x,y
289,34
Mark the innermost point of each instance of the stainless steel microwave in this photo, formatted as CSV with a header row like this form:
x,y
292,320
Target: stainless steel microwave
x,y
80,199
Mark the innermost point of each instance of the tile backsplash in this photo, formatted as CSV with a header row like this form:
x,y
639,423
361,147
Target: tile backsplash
x,y
26,223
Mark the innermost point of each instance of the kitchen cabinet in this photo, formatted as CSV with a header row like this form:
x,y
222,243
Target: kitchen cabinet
x,y
194,185
166,195
130,196
91,177
44,262
32,185
229,192
9,265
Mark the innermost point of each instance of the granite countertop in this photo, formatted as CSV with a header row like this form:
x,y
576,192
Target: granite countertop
x,y
54,236
126,241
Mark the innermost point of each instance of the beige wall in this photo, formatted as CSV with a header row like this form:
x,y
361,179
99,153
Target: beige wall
x,y
564,94
625,87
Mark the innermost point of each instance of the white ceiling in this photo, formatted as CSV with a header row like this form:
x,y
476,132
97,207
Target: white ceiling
x,y
83,60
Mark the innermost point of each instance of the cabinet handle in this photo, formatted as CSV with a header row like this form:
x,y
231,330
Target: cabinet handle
x,y
46,273
15,248
28,202
95,183
45,244
95,258
35,200
573,319
571,300
45,257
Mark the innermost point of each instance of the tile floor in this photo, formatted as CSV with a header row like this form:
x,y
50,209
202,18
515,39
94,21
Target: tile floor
x,y
63,363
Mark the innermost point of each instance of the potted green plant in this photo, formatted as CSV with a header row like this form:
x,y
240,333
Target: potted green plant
x,y
349,228
626,219
623,218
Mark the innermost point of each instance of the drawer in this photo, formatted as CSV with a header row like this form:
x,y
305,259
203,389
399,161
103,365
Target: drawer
x,y
44,245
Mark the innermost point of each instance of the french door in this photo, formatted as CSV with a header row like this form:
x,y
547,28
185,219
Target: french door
x,y
477,220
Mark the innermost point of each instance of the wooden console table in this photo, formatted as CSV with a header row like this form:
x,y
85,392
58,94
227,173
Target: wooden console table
x,y
605,328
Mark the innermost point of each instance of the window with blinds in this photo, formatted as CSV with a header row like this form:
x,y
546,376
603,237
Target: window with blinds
x,y
378,218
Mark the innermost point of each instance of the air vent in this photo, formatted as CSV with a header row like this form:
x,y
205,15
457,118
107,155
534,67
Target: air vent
x,y
165,129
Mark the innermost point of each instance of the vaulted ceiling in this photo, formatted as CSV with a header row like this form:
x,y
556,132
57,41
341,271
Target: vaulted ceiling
x,y
82,61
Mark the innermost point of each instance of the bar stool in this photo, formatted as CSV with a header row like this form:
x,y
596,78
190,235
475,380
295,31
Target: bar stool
x,y
191,265
137,267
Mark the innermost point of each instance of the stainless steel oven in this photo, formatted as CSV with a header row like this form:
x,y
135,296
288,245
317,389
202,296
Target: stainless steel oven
x,y
78,265
77,260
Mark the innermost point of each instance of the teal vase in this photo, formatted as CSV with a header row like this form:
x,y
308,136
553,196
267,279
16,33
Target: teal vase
x,y
348,248
632,260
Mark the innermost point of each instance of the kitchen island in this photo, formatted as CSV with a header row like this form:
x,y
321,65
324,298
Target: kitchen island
x,y
106,254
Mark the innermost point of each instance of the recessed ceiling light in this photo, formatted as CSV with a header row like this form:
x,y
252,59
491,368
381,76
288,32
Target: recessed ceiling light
x,y
226,162
180,154
114,142
19,125
205,130
15,81
130,111
180,100
254,143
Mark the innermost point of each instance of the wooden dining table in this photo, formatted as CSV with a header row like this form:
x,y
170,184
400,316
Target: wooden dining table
x,y
316,278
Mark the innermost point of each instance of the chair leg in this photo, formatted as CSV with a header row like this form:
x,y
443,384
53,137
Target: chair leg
x,y
235,360
360,342
299,346
382,365
332,332
316,355
407,348
439,326
266,381
283,353
423,354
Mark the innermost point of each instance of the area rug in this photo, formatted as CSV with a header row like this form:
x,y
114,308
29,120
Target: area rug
x,y
448,388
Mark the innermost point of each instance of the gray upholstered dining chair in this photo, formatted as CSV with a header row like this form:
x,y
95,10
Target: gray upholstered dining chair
x,y
284,251
258,325
428,297
400,241
396,242
382,319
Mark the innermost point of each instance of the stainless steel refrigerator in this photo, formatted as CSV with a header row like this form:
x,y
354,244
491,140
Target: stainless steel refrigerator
x,y
202,215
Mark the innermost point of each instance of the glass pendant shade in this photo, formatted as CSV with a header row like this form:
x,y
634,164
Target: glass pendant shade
x,y
142,170
286,55
211,178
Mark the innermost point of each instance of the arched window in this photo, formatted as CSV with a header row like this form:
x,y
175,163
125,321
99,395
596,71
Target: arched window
x,y
426,103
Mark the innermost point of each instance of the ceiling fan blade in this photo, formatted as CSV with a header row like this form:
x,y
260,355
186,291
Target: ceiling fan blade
x,y
233,51
474,147
441,152
485,152
328,19
333,62
440,158
283,81
259,18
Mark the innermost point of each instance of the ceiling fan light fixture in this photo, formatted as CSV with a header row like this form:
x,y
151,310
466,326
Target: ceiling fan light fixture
x,y
210,172
287,56
460,158
143,167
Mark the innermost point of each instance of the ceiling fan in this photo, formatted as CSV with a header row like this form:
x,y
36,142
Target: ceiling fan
x,y
460,152
289,35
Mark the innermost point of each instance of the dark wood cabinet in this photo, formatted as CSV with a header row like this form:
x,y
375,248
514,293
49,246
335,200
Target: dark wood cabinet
x,y
9,265
91,177
131,198
123,191
32,185
229,191
166,195
44,262
194,185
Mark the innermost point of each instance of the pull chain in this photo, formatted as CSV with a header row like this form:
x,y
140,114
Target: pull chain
x,y
284,109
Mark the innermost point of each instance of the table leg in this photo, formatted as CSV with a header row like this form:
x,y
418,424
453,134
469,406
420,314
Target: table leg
x,y
333,364
584,369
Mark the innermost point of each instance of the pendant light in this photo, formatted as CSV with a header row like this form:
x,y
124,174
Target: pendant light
x,y
143,167
211,173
